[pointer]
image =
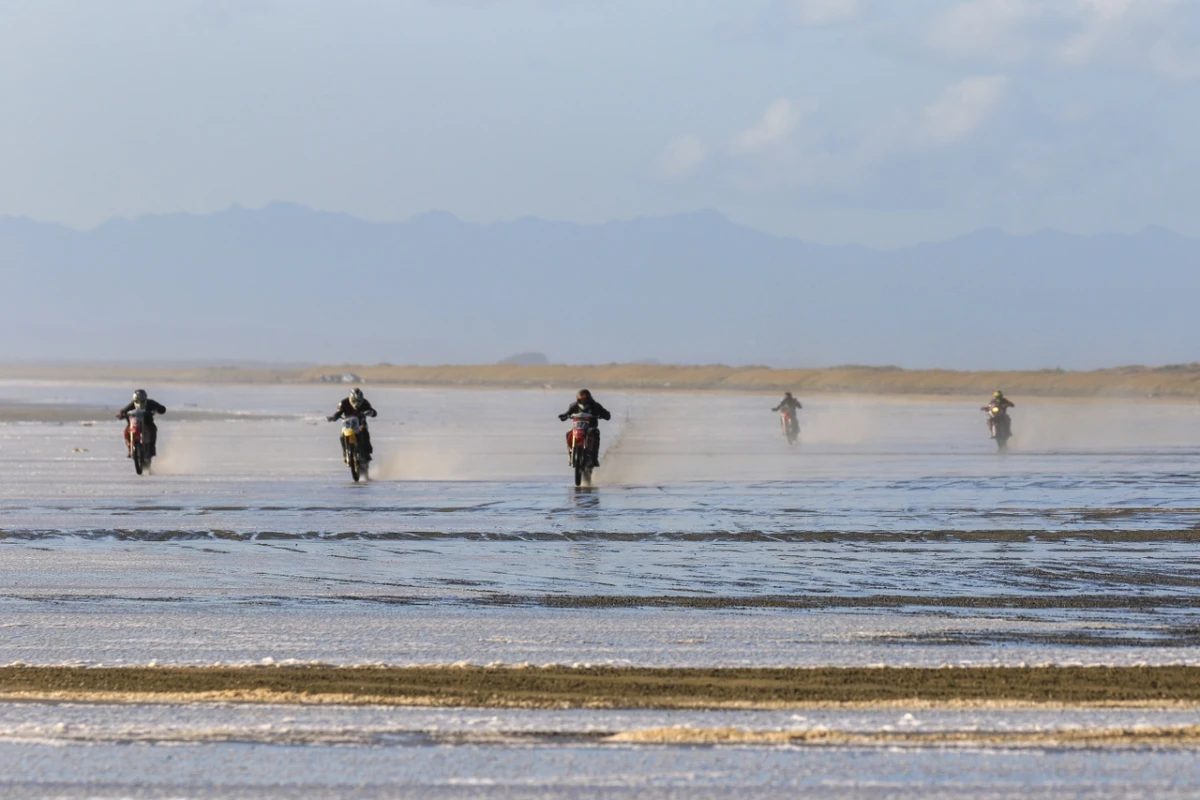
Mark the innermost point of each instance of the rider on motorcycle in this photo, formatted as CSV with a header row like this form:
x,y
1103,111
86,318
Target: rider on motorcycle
x,y
789,406
789,403
998,401
584,404
152,407
355,405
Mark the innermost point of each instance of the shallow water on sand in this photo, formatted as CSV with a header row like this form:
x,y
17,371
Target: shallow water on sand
x,y
893,534
72,750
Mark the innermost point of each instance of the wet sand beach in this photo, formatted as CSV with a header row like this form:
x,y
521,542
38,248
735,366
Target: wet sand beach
x,y
890,606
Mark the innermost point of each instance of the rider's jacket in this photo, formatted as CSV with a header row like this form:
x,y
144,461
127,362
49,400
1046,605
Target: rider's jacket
x,y
599,411
152,407
790,403
363,411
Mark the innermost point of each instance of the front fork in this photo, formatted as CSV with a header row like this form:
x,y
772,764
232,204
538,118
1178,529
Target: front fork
x,y
589,443
590,446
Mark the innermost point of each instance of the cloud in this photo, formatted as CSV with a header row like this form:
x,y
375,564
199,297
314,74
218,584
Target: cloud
x,y
776,125
813,13
1176,61
1128,29
960,109
825,157
983,28
682,157
1161,37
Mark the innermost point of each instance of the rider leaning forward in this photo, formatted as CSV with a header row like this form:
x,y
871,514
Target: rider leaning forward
x,y
584,404
355,405
1000,402
152,407
789,403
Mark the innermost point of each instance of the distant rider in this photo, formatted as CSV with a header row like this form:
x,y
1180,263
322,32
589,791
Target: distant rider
x,y
1000,402
355,405
584,404
791,405
152,407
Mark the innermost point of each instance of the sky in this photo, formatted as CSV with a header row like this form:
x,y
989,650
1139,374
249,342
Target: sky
x,y
877,122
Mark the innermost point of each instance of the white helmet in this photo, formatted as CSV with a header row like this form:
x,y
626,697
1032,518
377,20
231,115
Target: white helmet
x,y
356,397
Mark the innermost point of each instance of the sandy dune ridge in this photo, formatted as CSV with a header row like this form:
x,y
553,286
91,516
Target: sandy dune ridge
x,y
1178,381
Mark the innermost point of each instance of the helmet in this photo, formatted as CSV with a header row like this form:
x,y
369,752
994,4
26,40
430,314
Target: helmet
x,y
139,397
997,393
787,394
583,395
356,397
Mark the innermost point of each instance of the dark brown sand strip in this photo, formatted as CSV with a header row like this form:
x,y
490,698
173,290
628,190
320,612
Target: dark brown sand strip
x,y
1183,736
609,687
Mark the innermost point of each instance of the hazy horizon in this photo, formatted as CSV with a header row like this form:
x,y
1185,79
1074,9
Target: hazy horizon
x,y
441,212
286,283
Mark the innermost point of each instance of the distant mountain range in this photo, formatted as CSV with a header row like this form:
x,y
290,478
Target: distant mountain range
x,y
286,283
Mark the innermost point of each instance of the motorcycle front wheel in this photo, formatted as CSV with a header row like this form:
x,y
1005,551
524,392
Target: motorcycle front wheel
x,y
137,458
578,459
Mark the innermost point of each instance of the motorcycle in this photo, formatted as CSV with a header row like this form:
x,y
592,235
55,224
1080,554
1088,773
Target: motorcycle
x,y
580,446
1001,425
139,440
791,426
352,451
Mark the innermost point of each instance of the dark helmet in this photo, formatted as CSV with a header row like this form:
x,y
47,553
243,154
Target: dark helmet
x,y
787,394
139,397
583,396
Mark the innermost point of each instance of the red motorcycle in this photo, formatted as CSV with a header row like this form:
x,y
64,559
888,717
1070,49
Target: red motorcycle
x,y
581,446
791,426
137,439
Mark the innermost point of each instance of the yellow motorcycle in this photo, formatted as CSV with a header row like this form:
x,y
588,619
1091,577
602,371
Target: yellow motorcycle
x,y
352,451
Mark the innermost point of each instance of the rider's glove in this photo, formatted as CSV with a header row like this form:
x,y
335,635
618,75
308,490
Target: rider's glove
x,y
563,417
331,418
